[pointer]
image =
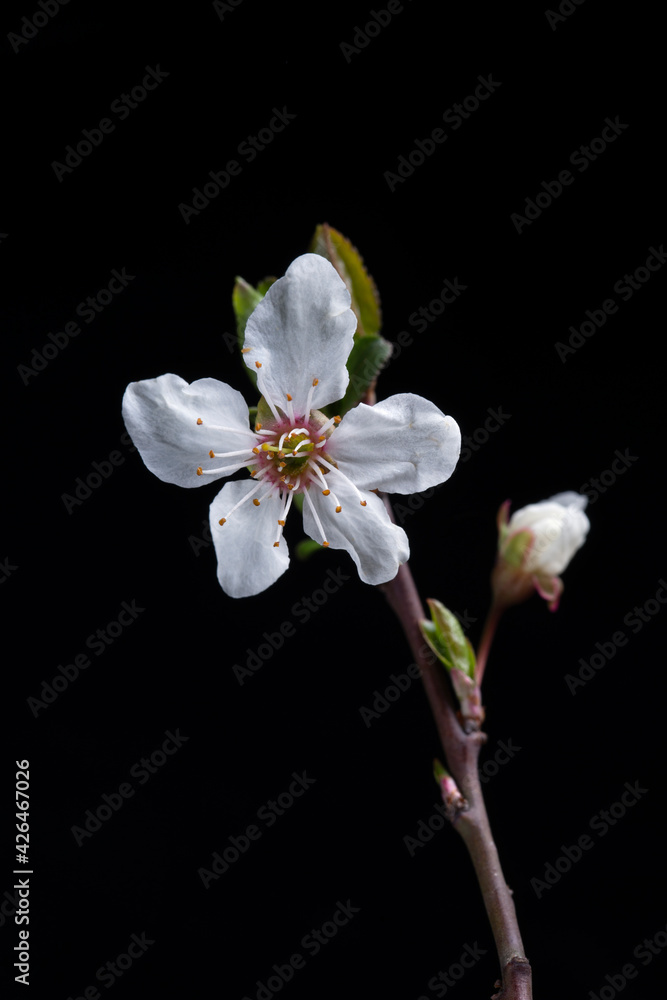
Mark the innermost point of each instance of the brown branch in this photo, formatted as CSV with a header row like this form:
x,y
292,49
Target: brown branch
x,y
462,754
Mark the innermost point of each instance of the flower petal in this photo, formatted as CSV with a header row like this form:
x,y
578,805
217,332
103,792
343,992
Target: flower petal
x,y
161,416
559,526
248,561
377,546
402,445
303,329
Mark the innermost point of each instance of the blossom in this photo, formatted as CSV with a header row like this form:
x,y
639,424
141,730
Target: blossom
x,y
297,340
536,545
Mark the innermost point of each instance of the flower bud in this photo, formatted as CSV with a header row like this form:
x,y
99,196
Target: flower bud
x,y
535,545
444,635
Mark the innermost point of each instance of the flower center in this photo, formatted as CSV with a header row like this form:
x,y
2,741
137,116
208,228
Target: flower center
x,y
286,458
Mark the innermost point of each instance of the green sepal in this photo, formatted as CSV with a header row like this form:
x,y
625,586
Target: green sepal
x,y
245,300
263,412
329,243
515,547
444,635
306,548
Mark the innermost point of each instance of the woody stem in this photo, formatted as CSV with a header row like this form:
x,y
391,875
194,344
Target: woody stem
x,y
462,754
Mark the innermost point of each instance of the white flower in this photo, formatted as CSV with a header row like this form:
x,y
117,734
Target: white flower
x,y
297,340
536,545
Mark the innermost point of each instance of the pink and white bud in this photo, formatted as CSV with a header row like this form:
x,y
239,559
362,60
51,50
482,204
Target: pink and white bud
x,y
535,546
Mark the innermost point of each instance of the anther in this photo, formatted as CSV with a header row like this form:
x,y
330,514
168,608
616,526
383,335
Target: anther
x,y
200,471
245,350
338,510
325,545
325,493
256,451
289,398
222,520
199,420
281,523
316,381
258,427
276,544
256,502
211,454
258,364
337,420
363,503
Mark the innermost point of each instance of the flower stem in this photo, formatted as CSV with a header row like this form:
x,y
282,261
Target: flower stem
x,y
488,633
462,753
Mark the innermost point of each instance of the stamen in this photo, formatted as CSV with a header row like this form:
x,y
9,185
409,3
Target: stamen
x,y
314,467
287,503
315,517
232,454
237,505
305,441
227,430
332,468
325,427
309,400
325,492
225,470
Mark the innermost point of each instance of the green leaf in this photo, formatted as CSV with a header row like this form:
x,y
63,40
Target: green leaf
x,y
446,638
329,243
430,633
366,360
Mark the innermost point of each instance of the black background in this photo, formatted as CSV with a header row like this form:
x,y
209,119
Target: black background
x,y
136,538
